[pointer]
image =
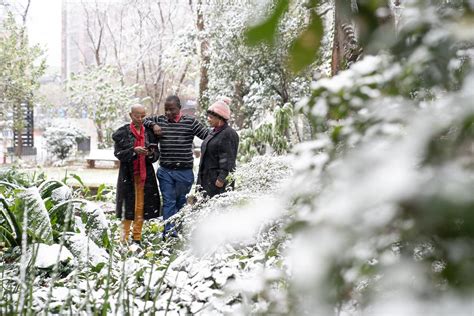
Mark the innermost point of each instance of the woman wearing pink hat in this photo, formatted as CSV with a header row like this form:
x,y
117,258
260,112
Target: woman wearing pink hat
x,y
218,150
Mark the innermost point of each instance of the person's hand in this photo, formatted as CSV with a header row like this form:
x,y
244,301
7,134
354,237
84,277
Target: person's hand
x,y
219,183
152,147
141,150
151,151
157,130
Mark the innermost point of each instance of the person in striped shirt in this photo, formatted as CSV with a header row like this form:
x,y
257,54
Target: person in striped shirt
x,y
175,174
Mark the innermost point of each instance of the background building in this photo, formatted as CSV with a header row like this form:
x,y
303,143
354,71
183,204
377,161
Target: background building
x,y
76,52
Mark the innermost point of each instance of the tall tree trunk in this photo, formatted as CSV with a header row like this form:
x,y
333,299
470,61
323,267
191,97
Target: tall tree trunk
x,y
338,42
346,48
183,76
204,56
24,15
100,134
239,94
155,105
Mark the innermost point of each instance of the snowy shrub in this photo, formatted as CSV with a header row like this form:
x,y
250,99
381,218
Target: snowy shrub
x,y
383,210
262,173
40,213
62,141
13,175
382,203
271,135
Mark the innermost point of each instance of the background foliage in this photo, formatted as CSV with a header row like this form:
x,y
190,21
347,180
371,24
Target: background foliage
x,y
100,92
21,66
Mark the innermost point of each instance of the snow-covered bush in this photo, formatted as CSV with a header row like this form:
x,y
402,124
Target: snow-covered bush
x,y
382,213
62,141
272,135
382,199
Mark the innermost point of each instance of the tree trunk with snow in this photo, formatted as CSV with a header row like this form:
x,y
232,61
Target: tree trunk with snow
x,y
337,46
204,58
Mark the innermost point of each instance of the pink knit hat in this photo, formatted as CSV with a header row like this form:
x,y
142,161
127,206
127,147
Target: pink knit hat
x,y
221,108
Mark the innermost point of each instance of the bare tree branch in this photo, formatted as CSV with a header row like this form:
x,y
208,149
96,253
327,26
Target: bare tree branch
x,y
25,12
183,76
117,45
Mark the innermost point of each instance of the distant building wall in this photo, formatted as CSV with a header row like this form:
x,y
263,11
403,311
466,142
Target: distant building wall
x,y
76,52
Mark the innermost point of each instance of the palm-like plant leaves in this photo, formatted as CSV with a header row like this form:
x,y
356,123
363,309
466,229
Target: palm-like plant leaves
x,y
96,225
48,188
9,228
48,208
57,198
28,202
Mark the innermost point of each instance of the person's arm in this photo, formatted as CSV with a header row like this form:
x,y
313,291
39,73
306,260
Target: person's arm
x,y
199,130
151,122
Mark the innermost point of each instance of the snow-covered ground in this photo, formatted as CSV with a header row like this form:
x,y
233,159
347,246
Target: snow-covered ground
x,y
198,272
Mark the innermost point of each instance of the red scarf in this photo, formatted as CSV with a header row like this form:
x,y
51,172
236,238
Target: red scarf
x,y
139,167
178,117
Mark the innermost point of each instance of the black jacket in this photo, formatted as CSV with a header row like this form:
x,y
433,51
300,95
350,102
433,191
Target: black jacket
x,y
123,150
218,155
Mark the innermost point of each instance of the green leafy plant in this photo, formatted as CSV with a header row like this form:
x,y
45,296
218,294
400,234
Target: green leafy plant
x,y
274,134
42,212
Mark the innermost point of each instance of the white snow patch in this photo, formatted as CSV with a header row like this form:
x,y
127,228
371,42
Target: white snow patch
x,y
47,255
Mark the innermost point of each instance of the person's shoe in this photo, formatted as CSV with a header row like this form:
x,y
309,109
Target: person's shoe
x,y
162,236
137,242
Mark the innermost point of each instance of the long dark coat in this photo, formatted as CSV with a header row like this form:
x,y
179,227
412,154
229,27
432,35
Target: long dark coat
x,y
123,150
218,155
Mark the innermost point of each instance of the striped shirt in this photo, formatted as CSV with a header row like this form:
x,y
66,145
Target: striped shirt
x,y
176,140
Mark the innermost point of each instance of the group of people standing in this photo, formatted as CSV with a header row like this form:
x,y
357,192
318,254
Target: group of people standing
x,y
169,139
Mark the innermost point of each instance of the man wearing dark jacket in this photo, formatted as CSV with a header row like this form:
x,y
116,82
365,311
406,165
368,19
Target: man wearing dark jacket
x,y
175,174
218,150
138,198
